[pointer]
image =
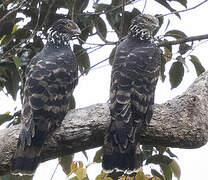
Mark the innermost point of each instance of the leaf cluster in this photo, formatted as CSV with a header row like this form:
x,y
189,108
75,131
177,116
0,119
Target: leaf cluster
x,y
162,157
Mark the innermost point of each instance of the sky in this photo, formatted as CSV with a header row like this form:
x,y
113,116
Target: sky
x,y
94,88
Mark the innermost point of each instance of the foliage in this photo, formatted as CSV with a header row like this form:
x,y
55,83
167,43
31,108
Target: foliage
x,y
21,37
160,156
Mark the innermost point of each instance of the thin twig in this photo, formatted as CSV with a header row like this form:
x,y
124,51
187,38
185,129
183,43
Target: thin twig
x,y
72,12
122,19
54,171
36,26
90,68
145,4
47,14
185,10
196,47
13,10
97,44
184,40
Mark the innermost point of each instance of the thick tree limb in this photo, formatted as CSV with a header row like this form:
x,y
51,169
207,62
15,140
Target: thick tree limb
x,y
180,122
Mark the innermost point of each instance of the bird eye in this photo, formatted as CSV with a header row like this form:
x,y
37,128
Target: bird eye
x,y
68,26
147,19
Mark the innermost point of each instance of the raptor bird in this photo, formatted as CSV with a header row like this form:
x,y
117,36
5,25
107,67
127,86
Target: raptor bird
x,y
134,76
51,77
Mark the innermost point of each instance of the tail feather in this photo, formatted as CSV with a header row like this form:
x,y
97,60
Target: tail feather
x,y
25,163
27,157
116,160
119,152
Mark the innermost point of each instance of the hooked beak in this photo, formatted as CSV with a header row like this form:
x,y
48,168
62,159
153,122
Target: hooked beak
x,y
77,32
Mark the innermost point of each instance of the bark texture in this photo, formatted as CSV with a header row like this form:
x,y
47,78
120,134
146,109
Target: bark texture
x,y
180,122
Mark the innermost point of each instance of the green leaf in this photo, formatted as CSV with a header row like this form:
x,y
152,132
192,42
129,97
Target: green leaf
x,y
14,29
175,169
65,162
9,72
161,149
98,156
176,74
167,51
72,102
167,54
182,2
81,173
3,37
85,33
80,5
12,84
175,34
100,27
147,151
114,19
82,58
140,175
85,155
170,153
162,68
101,176
116,2
101,7
183,48
167,172
86,25
159,159
15,177
17,61
197,64
112,54
5,117
156,173
135,12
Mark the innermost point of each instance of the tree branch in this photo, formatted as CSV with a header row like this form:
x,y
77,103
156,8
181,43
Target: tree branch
x,y
13,10
164,43
184,40
180,122
185,10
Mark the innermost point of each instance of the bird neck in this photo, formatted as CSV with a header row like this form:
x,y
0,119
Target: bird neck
x,y
58,39
141,34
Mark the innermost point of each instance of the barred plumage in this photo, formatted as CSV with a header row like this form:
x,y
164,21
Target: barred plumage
x,y
133,80
51,77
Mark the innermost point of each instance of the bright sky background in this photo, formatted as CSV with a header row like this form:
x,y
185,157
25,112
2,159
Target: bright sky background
x,y
94,88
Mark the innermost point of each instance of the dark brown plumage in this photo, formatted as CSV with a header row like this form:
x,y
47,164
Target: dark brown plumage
x,y
51,77
133,80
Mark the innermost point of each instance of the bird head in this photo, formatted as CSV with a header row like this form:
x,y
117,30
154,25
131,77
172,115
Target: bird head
x,y
62,31
143,26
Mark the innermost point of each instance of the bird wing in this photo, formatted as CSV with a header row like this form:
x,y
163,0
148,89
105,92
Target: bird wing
x,y
48,87
133,81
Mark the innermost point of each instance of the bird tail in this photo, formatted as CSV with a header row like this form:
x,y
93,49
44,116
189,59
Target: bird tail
x,y
25,162
27,157
119,152
122,161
